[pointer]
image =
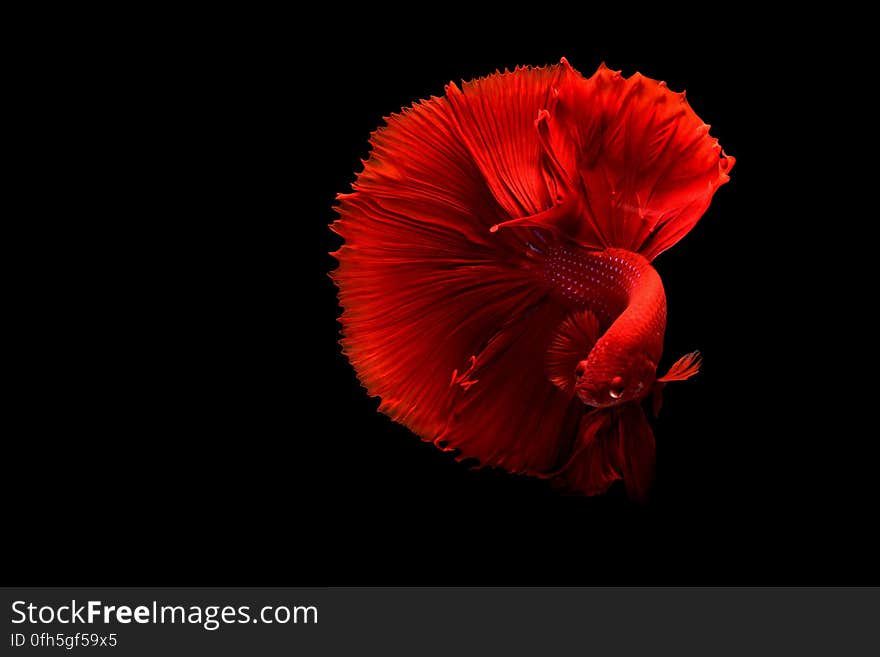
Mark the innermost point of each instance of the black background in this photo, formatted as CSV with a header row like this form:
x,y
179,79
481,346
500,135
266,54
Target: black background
x,y
189,418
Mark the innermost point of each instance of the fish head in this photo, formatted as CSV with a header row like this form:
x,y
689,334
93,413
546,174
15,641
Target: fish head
x,y
606,379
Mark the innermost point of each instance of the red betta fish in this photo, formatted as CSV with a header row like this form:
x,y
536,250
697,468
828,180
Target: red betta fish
x,y
496,278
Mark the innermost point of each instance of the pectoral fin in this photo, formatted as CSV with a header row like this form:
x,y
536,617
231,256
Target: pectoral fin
x,y
572,342
684,368
681,370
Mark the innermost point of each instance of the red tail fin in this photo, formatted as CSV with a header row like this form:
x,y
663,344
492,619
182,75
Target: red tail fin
x,y
646,163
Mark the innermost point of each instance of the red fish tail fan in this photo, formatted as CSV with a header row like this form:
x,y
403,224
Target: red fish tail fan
x,y
612,444
445,321
646,165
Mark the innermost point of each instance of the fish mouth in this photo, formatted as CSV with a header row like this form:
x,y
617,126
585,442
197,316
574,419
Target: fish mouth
x,y
590,398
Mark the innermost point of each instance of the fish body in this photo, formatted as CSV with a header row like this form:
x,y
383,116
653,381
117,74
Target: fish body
x,y
496,279
625,294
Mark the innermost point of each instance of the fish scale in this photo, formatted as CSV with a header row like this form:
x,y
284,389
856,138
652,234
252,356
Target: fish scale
x,y
605,282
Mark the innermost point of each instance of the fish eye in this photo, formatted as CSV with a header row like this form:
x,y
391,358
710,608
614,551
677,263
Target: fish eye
x,y
616,387
580,369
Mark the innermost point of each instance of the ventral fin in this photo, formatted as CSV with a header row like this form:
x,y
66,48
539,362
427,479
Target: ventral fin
x,y
612,444
571,344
